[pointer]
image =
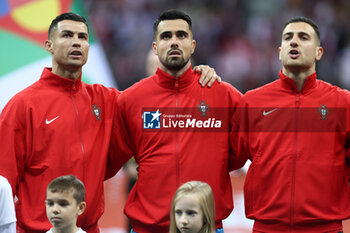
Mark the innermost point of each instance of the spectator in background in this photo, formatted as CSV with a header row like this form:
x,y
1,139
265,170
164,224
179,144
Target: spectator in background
x,y
152,63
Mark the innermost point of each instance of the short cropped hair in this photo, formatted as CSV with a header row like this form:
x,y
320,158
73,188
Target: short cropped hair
x,y
67,183
204,194
304,20
65,16
171,15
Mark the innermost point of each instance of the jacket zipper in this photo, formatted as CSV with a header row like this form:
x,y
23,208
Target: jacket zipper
x,y
79,128
177,137
80,136
297,104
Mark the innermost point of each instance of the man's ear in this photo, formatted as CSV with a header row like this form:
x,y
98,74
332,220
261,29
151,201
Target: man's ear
x,y
154,47
319,53
193,46
279,53
49,45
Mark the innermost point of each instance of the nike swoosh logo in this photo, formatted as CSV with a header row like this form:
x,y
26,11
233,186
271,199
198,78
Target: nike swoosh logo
x,y
267,113
50,121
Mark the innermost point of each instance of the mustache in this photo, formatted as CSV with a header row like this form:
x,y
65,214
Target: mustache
x,y
174,49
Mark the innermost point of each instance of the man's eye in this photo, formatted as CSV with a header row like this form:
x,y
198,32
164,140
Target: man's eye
x,y
182,35
67,35
165,35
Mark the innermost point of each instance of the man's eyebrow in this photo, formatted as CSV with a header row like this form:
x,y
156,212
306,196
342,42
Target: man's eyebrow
x,y
165,32
71,32
182,31
178,31
299,33
83,33
67,31
287,33
304,33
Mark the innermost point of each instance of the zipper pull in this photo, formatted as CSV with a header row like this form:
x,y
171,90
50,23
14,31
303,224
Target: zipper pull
x,y
176,83
297,100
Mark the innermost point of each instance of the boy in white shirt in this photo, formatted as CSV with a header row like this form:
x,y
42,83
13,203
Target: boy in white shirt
x,y
65,201
7,208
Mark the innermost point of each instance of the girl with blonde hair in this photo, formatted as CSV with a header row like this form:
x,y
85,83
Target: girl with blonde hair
x,y
193,209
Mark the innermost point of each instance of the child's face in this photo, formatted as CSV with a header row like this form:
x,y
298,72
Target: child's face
x,y
62,209
188,214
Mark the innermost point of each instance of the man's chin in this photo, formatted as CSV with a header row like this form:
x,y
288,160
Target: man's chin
x,y
175,65
76,64
296,67
174,68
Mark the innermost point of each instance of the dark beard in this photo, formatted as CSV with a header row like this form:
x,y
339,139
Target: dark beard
x,y
174,63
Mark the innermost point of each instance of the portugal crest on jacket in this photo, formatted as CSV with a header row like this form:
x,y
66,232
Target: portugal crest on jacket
x,y
96,111
323,112
203,108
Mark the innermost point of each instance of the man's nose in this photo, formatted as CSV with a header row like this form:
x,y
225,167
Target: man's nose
x,y
294,42
76,41
174,42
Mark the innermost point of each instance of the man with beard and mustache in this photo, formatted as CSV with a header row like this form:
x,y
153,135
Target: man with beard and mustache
x,y
176,130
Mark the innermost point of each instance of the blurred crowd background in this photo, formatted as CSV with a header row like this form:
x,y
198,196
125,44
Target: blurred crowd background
x,y
239,38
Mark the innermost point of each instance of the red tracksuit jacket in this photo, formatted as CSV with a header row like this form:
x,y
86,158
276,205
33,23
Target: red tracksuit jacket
x,y
177,131
56,127
298,143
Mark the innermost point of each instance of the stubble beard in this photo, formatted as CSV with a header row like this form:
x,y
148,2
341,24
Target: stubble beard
x,y
174,63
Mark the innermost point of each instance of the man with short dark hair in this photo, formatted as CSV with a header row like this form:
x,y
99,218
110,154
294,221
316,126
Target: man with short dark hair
x,y
295,131
176,130
58,125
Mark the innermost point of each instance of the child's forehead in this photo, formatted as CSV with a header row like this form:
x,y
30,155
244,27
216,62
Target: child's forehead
x,y
190,197
67,193
188,202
